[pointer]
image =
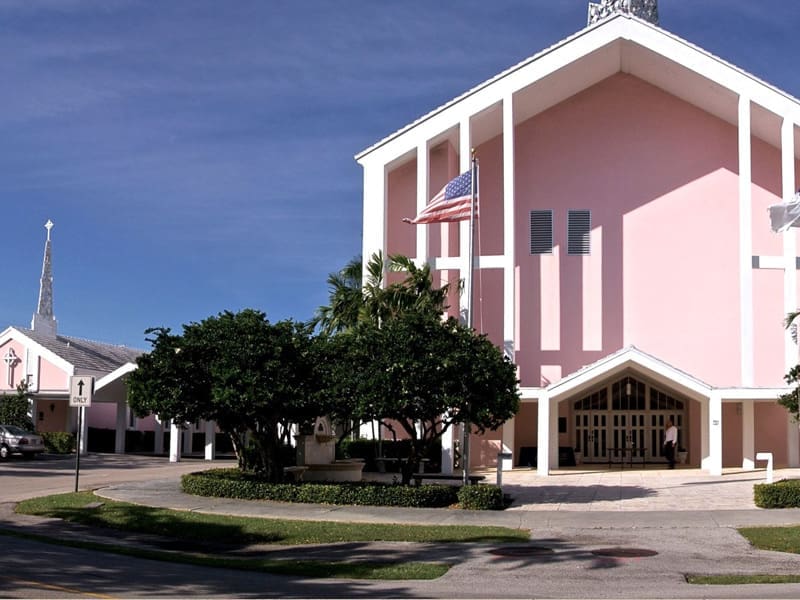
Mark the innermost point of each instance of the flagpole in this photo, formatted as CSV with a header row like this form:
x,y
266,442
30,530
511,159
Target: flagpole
x,y
468,291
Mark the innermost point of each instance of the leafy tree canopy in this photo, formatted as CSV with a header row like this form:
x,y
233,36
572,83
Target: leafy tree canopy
x,y
14,407
251,376
422,375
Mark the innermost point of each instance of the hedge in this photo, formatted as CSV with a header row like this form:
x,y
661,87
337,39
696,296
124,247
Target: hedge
x,y
233,483
480,497
781,494
58,442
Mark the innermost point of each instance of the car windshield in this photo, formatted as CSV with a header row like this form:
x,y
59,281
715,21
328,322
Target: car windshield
x,y
13,430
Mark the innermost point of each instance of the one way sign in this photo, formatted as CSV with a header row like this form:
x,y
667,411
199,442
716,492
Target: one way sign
x,y
81,390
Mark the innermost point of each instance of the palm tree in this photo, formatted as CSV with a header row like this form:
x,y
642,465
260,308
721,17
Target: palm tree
x,y
346,300
355,299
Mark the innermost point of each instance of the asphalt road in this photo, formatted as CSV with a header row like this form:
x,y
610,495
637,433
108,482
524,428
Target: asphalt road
x,y
569,567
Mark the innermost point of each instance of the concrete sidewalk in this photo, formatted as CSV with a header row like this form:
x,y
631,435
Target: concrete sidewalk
x,y
672,502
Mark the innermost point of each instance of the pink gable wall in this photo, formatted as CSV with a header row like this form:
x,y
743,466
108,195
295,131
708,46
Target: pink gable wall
x,y
17,372
51,377
660,179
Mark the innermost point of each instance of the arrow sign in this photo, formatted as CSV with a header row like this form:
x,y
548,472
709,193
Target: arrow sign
x,y
81,390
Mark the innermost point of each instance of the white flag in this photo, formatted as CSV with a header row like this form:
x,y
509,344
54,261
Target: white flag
x,y
785,215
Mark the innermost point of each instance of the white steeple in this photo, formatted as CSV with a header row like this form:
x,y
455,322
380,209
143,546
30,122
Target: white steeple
x,y
43,319
644,9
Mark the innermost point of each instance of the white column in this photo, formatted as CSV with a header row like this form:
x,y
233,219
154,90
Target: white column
x,y
748,435
509,239
789,239
465,158
553,434
374,216
121,426
507,445
746,344
543,437
705,429
174,442
422,201
158,434
793,444
715,434
447,451
210,448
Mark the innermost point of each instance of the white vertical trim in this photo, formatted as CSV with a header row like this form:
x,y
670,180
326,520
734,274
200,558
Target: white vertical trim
x,y
187,439
509,238
715,434
32,369
789,239
508,444
748,435
374,224
447,451
745,244
174,442
465,163
543,437
423,166
210,445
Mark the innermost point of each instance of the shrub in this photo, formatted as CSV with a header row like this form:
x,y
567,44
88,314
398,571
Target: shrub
x,y
58,442
233,483
480,497
781,494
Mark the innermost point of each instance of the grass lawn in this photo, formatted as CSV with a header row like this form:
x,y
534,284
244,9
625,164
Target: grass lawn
x,y
240,531
781,539
203,532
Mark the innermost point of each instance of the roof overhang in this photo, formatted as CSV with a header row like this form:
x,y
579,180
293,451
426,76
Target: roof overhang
x,y
620,44
12,333
114,376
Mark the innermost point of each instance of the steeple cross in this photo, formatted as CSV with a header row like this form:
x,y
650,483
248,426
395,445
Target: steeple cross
x,y
48,226
11,360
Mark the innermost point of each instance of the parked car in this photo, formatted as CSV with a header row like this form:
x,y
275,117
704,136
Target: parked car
x,y
15,440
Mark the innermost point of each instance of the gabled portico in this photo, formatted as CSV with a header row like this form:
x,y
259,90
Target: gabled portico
x,y
699,411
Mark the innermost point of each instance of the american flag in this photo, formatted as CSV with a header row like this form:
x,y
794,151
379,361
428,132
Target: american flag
x,y
452,203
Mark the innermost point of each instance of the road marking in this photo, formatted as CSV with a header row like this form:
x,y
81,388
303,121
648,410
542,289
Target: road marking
x,y
57,588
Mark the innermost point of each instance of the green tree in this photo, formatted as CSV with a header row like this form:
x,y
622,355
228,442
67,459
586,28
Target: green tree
x,y
346,300
422,375
354,299
14,407
252,377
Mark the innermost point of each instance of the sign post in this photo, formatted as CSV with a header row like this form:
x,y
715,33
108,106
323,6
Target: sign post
x,y
81,390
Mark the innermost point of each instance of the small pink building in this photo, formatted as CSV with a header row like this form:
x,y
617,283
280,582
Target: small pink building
x,y
624,257
47,361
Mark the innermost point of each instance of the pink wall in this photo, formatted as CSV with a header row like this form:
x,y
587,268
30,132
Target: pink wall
x,y
732,449
17,371
660,178
772,423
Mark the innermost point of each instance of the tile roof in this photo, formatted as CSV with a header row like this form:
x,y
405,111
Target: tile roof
x,y
85,354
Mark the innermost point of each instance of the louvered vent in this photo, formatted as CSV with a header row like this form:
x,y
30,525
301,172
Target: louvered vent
x,y
579,227
541,232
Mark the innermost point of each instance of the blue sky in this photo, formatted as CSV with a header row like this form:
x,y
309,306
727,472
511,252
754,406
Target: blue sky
x,y
197,156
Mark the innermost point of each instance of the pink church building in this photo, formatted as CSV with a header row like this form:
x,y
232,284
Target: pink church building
x,y
623,254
